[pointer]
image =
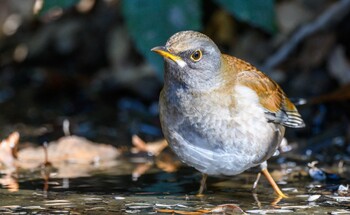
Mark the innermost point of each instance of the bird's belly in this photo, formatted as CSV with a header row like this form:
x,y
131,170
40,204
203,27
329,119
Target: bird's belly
x,y
220,142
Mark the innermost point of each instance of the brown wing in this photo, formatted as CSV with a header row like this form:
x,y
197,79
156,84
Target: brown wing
x,y
279,109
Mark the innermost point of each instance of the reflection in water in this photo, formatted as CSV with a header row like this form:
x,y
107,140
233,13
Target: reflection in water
x,y
147,184
112,190
10,181
8,151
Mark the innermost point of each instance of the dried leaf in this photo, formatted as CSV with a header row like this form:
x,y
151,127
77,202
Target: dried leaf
x,y
71,149
153,148
227,209
139,144
8,150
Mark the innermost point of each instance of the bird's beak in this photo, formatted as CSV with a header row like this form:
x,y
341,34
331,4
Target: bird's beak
x,y
163,51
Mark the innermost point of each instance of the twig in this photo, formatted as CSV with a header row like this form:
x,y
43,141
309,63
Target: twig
x,y
331,16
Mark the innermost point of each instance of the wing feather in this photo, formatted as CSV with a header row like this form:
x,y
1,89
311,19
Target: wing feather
x,y
279,109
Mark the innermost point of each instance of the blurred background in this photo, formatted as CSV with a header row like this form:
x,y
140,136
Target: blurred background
x,y
89,62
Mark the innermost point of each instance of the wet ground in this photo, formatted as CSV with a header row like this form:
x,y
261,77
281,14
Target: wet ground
x,y
95,77
112,191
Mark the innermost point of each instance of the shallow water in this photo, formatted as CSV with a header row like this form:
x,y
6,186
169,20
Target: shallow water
x,y
112,191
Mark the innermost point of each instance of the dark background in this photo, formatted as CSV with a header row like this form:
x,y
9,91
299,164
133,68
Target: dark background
x,y
90,62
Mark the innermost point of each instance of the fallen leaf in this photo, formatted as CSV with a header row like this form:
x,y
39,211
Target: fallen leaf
x,y
71,149
227,209
8,150
153,148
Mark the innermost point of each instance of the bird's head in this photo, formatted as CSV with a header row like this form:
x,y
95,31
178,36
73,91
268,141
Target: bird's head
x,y
191,58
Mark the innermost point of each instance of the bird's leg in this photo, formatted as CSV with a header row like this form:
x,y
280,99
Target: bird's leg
x,y
255,196
273,183
256,181
203,184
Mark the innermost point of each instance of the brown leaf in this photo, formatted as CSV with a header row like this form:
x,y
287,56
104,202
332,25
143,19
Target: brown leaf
x,y
152,147
71,149
8,150
227,209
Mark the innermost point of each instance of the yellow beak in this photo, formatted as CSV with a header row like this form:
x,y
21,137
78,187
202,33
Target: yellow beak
x,y
161,50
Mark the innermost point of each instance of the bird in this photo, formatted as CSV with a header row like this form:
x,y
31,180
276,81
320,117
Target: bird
x,y
220,114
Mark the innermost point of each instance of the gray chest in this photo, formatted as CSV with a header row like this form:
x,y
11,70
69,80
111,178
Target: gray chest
x,y
202,128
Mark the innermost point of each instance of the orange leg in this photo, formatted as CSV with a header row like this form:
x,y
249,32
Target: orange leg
x,y
273,183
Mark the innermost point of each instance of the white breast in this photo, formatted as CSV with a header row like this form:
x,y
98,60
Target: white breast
x,y
219,138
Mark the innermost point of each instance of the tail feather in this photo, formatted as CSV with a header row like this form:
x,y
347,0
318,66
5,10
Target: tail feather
x,y
293,120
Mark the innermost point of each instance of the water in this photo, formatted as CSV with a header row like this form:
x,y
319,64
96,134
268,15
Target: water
x,y
112,191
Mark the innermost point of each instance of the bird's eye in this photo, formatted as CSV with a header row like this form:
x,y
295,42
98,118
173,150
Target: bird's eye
x,y
196,55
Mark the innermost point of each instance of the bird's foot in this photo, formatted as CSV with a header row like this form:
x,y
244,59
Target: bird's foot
x,y
273,183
